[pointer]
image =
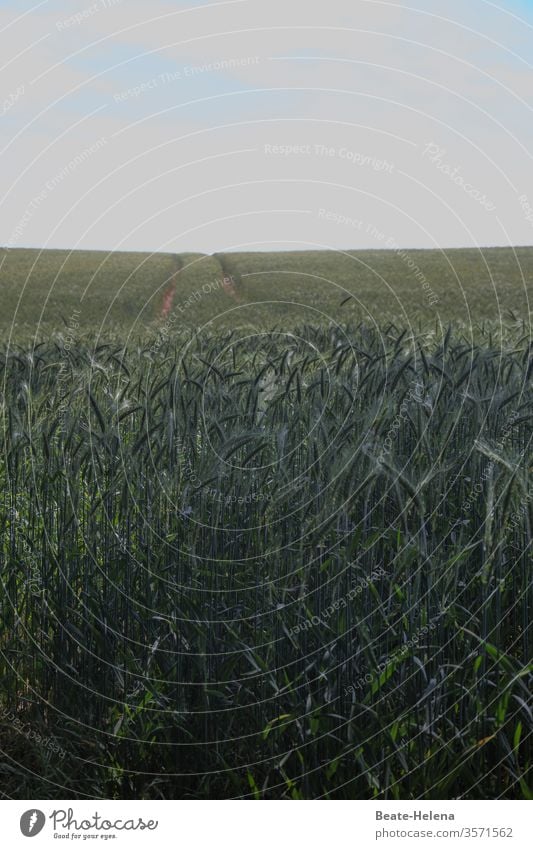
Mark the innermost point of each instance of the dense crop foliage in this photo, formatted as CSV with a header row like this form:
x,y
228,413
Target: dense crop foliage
x,y
407,285
278,565
40,289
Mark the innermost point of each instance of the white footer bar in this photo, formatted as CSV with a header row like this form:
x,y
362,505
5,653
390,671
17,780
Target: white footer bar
x,y
271,825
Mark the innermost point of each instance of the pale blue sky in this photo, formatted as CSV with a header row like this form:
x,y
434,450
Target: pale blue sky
x,y
203,126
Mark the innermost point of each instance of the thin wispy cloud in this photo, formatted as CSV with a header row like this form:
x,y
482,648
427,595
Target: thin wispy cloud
x,y
223,114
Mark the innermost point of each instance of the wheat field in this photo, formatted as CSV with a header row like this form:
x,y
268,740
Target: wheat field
x,y
267,563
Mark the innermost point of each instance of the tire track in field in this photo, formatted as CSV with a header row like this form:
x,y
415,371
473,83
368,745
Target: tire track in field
x,y
170,292
228,281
